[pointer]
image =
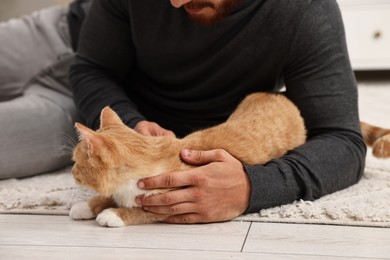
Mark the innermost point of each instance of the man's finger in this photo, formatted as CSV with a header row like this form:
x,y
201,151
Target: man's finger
x,y
167,198
168,133
203,157
177,209
170,180
145,132
189,218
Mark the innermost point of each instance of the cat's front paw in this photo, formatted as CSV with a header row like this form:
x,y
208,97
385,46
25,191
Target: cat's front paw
x,y
108,218
81,210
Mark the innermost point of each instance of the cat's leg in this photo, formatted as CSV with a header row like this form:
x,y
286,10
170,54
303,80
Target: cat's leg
x,y
381,147
119,217
90,209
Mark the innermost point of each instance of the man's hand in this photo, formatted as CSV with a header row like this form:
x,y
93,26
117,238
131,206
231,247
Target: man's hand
x,y
152,129
218,190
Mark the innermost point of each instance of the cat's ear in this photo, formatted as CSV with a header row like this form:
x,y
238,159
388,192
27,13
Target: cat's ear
x,y
90,137
109,117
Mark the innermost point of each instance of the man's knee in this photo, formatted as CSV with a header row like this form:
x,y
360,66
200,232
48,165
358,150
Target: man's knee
x,y
39,136
28,45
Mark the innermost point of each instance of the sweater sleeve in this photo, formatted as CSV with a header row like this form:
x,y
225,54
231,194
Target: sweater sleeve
x,y
320,81
104,62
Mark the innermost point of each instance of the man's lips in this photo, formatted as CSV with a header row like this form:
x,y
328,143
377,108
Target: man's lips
x,y
192,10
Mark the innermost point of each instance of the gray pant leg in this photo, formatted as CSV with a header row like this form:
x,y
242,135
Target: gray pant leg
x,y
36,127
28,45
36,132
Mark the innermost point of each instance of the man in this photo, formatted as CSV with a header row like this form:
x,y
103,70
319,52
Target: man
x,y
37,111
168,68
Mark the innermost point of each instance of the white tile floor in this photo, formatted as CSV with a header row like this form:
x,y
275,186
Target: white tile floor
x,y
40,237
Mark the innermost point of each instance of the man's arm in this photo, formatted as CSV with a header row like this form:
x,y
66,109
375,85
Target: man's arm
x,y
105,60
320,81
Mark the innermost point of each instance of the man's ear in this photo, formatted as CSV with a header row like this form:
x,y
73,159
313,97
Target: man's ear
x,y
90,137
109,117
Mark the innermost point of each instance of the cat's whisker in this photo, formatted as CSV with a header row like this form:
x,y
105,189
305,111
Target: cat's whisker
x,y
64,146
62,150
67,149
70,140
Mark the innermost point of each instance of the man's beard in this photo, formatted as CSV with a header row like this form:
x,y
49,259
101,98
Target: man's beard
x,y
220,11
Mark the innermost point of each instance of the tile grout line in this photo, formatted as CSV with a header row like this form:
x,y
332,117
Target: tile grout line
x,y
246,237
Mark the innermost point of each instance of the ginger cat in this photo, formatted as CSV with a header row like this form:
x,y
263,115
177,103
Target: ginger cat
x,y
113,159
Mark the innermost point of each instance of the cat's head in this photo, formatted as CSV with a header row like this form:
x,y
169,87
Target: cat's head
x,y
106,158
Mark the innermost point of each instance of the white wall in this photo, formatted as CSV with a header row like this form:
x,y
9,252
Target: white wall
x,y
16,8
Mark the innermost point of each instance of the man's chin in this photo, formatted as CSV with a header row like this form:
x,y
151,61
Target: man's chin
x,y
210,15
204,20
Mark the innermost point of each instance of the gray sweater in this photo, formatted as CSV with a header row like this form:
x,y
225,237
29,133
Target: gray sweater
x,y
148,60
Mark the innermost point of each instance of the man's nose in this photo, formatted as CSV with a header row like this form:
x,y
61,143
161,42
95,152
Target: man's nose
x,y
179,3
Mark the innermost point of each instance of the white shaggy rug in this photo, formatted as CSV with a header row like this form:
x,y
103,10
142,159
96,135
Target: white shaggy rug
x,y
364,204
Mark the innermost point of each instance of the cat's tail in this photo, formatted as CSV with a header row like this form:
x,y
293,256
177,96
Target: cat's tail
x,y
378,138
